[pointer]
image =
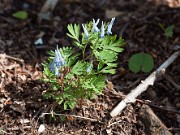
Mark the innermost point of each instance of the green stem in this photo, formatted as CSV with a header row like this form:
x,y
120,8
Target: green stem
x,y
93,48
83,52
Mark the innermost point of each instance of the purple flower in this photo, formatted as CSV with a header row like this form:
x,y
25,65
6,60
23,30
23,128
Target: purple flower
x,y
57,72
102,30
95,28
52,66
89,68
110,26
85,31
57,62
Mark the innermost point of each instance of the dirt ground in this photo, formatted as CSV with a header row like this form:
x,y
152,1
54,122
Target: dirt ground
x,y
21,103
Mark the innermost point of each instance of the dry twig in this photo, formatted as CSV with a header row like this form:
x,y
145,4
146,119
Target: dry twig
x,y
75,116
11,57
169,78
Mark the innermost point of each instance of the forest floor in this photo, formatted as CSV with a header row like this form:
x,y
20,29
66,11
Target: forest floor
x,y
21,100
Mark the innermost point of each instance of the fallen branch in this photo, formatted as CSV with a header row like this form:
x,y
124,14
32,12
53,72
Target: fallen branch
x,y
131,97
151,123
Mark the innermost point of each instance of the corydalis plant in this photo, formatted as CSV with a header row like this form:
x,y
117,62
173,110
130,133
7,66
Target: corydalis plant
x,y
76,76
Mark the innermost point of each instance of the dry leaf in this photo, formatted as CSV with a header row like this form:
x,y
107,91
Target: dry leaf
x,y
71,118
110,85
112,13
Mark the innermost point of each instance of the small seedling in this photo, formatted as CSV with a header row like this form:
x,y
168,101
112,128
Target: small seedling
x,y
22,15
168,32
74,76
141,62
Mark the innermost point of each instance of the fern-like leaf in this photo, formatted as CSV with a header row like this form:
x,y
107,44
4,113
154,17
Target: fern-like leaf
x,y
79,68
74,31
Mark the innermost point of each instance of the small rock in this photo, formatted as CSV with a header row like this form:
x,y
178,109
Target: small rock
x,y
41,128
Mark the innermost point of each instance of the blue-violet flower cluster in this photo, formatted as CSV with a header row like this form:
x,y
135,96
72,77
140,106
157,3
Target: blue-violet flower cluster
x,y
57,62
89,68
96,29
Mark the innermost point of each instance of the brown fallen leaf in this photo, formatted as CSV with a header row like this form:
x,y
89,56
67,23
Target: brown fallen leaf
x,y
112,13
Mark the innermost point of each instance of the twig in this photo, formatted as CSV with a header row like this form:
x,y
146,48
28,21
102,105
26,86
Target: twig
x,y
47,109
174,129
169,78
124,28
149,103
164,109
11,57
81,117
131,97
119,121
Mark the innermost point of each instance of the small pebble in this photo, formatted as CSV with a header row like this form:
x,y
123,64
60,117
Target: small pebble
x,y
41,128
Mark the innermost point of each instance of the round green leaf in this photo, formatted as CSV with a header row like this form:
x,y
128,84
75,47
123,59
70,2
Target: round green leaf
x,y
141,61
22,15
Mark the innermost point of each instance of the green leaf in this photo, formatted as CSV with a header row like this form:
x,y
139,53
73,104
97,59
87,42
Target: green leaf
x,y
115,49
66,51
169,31
22,15
100,65
74,31
106,71
78,44
94,84
47,95
100,82
71,104
60,101
109,68
107,56
79,68
65,105
46,71
141,61
68,54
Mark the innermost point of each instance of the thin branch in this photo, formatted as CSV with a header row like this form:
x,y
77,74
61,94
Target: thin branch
x,y
75,116
163,108
11,57
116,122
131,97
169,78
